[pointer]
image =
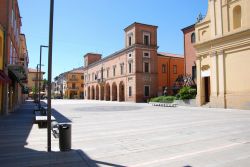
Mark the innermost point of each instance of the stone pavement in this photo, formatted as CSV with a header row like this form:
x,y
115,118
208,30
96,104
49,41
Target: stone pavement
x,y
127,134
22,143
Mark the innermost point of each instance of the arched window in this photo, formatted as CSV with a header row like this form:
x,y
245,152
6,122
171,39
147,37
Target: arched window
x,y
237,17
193,37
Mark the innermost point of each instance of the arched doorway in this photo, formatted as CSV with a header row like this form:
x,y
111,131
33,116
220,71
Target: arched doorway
x,y
88,95
97,93
102,92
114,92
107,92
121,91
93,93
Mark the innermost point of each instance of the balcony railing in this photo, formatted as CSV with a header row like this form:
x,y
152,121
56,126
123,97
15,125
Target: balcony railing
x,y
101,80
73,79
73,88
18,67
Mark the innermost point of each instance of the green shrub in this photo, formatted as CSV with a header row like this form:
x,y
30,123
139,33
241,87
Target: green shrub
x,y
163,99
186,93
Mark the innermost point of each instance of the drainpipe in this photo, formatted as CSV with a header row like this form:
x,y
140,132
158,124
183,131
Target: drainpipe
x,y
169,73
5,63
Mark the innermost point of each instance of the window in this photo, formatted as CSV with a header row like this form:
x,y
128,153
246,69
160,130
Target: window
x,y
114,71
146,54
193,37
175,69
146,91
146,67
130,67
130,91
163,68
73,77
146,39
73,85
107,72
129,40
193,72
237,17
82,85
122,69
129,55
82,77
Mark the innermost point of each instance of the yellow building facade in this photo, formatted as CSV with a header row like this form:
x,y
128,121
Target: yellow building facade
x,y
223,55
74,84
33,79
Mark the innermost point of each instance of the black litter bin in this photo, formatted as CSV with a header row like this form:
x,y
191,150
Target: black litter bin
x,y
64,137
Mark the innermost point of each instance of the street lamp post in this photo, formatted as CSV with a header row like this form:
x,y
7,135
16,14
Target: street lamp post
x,y
36,84
39,84
49,73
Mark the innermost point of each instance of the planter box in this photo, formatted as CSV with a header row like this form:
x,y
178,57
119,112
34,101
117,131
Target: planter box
x,y
189,102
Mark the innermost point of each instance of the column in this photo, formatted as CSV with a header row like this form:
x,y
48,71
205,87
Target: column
x,y
5,99
221,69
214,79
219,19
213,20
199,85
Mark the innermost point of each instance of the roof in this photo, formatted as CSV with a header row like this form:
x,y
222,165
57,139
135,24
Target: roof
x,y
92,53
133,24
170,55
32,70
188,27
76,70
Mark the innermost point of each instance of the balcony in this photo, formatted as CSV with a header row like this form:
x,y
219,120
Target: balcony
x,y
73,79
19,68
101,81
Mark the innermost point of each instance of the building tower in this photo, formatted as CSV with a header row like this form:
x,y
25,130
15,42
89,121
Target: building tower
x,y
141,45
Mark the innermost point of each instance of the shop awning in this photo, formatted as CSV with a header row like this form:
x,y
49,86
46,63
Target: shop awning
x,y
4,78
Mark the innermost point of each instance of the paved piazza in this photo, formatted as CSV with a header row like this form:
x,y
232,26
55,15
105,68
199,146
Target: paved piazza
x,y
128,134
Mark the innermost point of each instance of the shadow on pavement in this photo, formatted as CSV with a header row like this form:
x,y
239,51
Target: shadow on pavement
x,y
15,130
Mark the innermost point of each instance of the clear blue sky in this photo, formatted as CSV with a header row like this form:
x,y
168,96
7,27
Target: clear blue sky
x,y
82,26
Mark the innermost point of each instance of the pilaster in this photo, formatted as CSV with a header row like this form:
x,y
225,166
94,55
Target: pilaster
x,y
213,20
199,83
214,77
219,19
221,79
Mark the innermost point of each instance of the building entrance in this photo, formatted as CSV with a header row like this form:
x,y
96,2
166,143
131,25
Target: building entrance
x,y
207,89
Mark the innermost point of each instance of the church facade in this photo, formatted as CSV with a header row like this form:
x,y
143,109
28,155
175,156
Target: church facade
x,y
223,55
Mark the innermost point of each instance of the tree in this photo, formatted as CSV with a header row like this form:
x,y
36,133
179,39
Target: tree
x,y
45,83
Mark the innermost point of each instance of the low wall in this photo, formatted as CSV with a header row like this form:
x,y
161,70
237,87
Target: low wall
x,y
189,102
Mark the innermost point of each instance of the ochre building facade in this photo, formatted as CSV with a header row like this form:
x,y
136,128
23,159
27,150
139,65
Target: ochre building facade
x,y
74,84
223,55
13,57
